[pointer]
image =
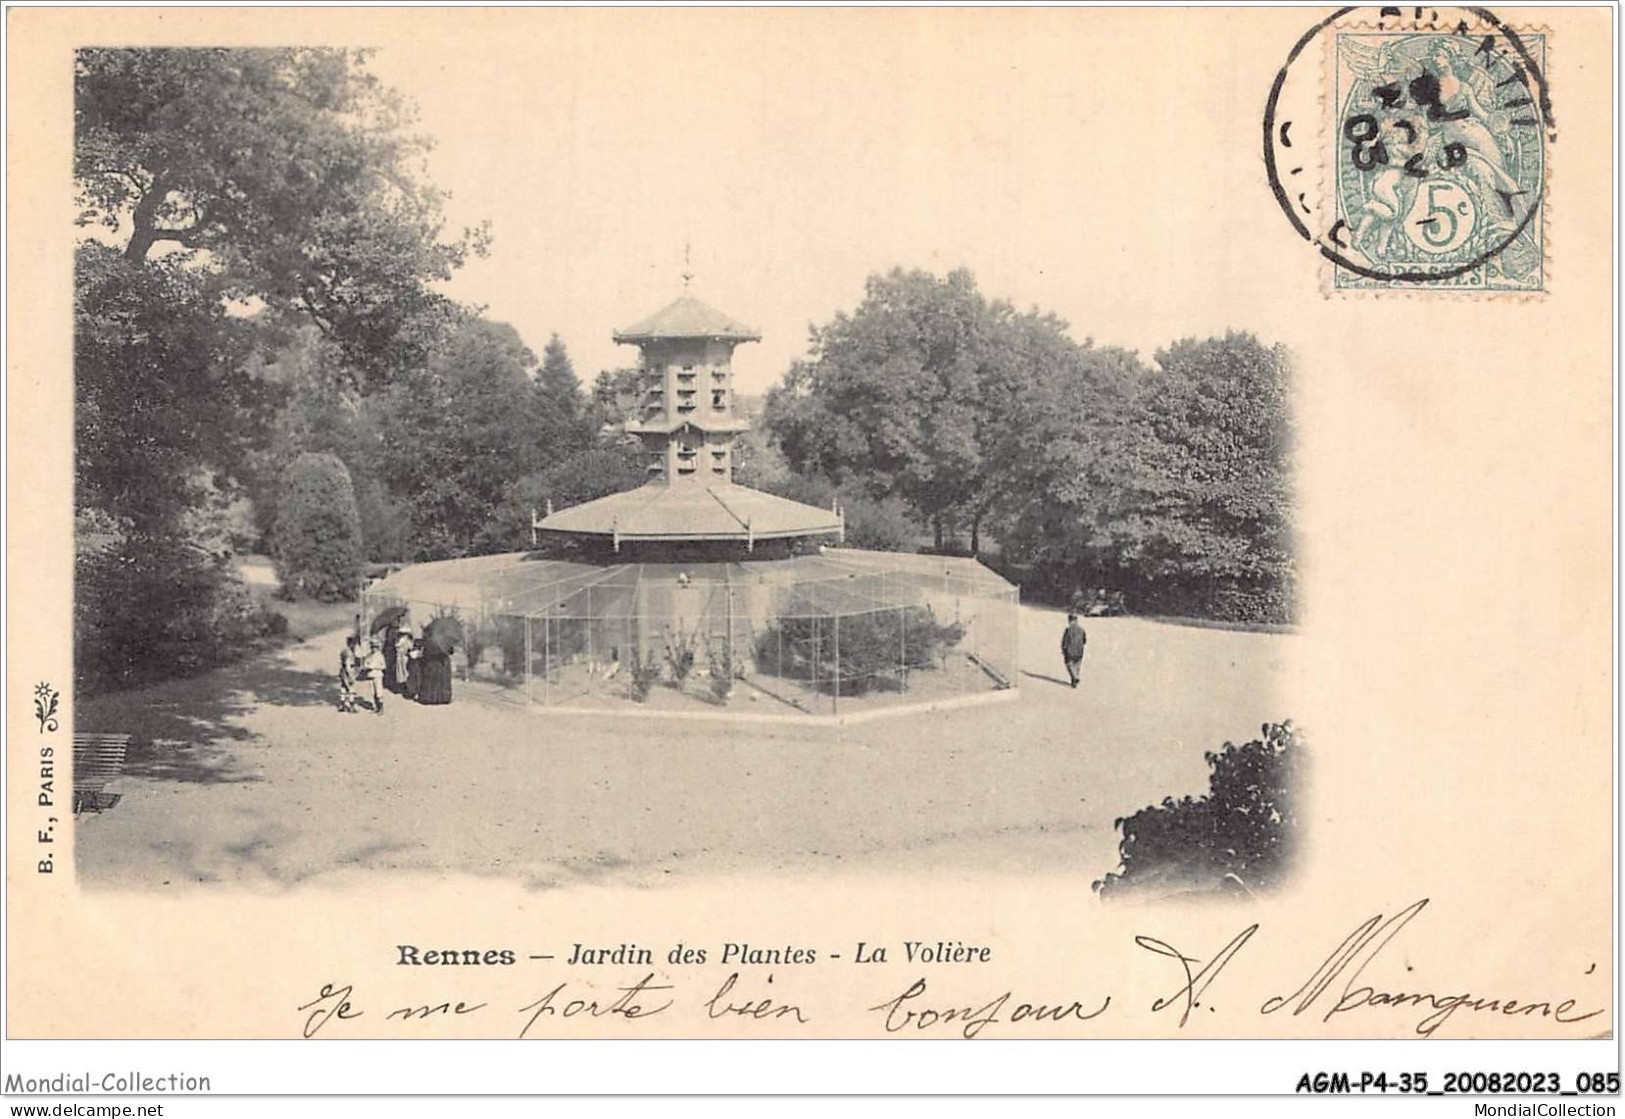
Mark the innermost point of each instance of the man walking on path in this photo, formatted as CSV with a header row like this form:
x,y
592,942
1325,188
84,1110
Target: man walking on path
x,y
1073,639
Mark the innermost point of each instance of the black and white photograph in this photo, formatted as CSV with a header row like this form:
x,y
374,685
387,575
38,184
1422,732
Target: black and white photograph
x,y
772,524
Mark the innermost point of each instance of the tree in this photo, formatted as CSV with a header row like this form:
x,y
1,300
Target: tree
x,y
1211,503
890,394
615,395
317,541
155,356
557,379
1171,483
458,436
1062,471
923,393
288,172
232,194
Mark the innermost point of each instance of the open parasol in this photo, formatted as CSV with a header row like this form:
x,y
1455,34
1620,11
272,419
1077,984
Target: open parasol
x,y
388,617
444,634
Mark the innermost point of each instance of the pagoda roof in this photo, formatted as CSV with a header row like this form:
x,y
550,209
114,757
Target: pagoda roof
x,y
687,317
698,422
693,511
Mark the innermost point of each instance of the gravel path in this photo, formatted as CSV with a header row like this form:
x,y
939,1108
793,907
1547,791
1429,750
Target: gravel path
x,y
253,779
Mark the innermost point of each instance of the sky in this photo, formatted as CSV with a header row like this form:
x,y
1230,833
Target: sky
x,y
792,153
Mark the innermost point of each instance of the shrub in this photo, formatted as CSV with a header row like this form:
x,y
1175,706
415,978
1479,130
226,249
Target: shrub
x,y
317,539
148,610
508,634
644,669
875,649
474,642
1240,835
720,657
679,651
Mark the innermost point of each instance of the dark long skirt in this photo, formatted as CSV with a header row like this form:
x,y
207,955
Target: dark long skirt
x,y
391,681
434,679
414,678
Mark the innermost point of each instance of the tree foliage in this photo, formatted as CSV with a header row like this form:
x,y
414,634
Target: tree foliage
x,y
557,382
155,355
151,608
317,542
1169,483
230,197
289,172
1239,837
896,395
459,439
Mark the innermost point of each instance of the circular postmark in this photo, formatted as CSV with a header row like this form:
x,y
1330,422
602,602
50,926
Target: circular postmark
x,y
1409,146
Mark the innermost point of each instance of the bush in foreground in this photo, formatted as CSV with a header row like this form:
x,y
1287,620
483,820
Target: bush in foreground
x,y
153,610
1240,836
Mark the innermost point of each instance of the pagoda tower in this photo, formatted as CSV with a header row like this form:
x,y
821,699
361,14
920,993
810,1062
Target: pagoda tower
x,y
687,425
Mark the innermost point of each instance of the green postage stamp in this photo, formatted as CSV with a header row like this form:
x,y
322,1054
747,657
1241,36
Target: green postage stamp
x,y
1438,160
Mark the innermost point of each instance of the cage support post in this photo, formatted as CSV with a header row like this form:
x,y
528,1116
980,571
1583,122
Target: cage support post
x,y
835,696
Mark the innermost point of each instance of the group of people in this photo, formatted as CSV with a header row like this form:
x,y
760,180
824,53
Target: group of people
x,y
394,661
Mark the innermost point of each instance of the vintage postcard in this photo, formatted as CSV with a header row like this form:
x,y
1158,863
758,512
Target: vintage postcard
x,y
790,525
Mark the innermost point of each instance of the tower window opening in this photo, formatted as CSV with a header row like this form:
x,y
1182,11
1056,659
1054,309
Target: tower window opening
x,y
719,399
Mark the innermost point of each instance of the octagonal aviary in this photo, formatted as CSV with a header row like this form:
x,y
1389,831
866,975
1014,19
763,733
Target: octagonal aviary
x,y
691,593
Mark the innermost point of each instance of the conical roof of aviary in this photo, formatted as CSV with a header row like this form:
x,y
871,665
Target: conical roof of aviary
x,y
687,317
707,511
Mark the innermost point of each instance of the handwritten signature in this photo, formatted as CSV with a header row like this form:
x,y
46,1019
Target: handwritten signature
x,y
1348,962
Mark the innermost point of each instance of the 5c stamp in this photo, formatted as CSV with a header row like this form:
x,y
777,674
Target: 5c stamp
x,y
1434,126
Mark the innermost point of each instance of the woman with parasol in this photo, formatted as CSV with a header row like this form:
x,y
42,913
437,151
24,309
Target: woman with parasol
x,y
386,631
440,639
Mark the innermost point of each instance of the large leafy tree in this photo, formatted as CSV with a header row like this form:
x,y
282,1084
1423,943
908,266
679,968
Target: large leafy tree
x,y
1171,482
289,172
164,403
892,394
1211,489
456,433
459,436
228,196
925,393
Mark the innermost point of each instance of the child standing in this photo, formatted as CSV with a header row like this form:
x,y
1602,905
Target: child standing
x,y
349,667
372,670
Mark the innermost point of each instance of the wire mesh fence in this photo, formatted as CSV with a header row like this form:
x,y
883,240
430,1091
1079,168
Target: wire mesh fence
x,y
824,634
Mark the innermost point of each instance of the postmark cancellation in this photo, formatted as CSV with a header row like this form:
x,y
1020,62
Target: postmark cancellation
x,y
1435,128
1438,160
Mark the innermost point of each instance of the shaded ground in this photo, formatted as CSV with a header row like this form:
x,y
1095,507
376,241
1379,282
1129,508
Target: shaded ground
x,y
305,618
250,776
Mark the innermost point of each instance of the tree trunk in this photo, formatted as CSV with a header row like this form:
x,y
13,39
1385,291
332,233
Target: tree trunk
x,y
144,223
936,529
976,534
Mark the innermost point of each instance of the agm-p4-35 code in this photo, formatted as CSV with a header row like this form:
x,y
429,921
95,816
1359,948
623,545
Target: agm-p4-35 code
x,y
1457,1083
